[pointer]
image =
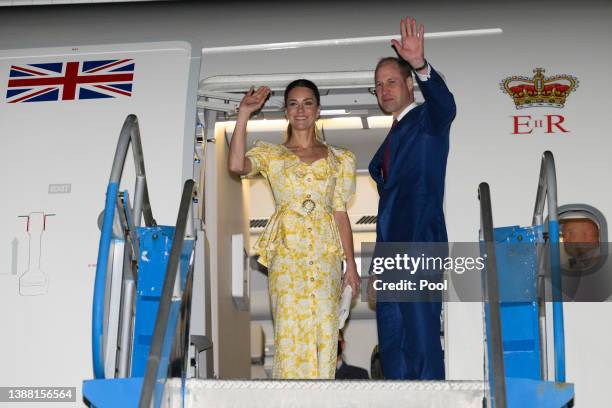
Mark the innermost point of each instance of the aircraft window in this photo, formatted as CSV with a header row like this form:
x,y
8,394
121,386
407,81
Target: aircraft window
x,y
583,236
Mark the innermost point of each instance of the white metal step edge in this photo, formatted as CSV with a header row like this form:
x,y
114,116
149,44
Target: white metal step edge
x,y
325,394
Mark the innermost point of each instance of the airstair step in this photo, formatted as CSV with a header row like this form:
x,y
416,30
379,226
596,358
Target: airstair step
x,y
324,394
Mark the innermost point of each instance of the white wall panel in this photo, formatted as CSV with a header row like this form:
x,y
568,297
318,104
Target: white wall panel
x,y
47,338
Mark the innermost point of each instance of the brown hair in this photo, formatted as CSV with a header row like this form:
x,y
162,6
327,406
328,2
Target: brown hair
x,y
404,67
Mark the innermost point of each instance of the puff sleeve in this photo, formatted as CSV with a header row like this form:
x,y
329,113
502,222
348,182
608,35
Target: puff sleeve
x,y
259,156
345,183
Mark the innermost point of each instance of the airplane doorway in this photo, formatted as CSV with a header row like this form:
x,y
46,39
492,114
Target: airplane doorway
x,y
350,118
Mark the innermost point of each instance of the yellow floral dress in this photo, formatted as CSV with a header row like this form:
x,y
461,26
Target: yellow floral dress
x,y
302,250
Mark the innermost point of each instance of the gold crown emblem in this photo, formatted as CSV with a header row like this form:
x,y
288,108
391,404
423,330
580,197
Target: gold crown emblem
x,y
539,90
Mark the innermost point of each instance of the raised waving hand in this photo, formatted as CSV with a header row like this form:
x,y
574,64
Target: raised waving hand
x,y
253,100
411,46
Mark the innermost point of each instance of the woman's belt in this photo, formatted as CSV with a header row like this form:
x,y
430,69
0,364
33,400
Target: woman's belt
x,y
307,206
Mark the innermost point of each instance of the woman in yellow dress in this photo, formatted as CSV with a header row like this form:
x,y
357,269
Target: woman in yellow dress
x,y
307,236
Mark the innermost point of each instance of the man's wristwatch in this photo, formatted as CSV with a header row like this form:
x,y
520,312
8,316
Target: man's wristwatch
x,y
422,66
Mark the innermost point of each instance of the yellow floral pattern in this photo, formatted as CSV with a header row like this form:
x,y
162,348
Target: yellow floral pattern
x,y
302,249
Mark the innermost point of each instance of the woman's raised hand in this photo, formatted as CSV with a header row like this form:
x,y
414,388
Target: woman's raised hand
x,y
253,100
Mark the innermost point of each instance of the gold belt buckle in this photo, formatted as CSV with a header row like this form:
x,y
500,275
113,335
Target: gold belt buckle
x,y
308,205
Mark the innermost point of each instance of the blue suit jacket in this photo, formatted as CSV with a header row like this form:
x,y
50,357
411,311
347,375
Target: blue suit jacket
x,y
410,205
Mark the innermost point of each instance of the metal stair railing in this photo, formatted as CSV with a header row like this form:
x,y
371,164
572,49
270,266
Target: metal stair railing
x,y
491,288
170,335
547,193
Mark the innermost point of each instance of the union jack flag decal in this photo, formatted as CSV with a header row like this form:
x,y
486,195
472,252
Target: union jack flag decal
x,y
70,80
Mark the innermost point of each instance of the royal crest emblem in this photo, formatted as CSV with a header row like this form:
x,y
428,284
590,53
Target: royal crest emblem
x,y
539,90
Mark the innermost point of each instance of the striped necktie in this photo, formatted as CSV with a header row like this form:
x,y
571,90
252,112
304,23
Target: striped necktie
x,y
387,155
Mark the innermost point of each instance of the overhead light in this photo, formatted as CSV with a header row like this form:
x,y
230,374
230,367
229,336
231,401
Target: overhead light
x,y
380,122
353,122
271,125
262,125
331,112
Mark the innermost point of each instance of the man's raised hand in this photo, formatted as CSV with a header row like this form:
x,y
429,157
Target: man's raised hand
x,y
411,47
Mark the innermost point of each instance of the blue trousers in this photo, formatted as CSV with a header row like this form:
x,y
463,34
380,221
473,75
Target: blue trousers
x,y
409,340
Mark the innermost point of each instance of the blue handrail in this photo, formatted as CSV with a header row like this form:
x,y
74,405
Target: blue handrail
x,y
97,326
130,134
558,325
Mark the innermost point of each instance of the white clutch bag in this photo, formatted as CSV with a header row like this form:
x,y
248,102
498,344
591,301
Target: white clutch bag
x,y
344,307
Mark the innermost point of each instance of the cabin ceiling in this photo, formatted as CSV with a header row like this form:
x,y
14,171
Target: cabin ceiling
x,y
362,142
361,127
350,130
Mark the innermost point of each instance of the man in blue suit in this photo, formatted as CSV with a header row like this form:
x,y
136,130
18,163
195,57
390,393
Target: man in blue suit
x,y
409,169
